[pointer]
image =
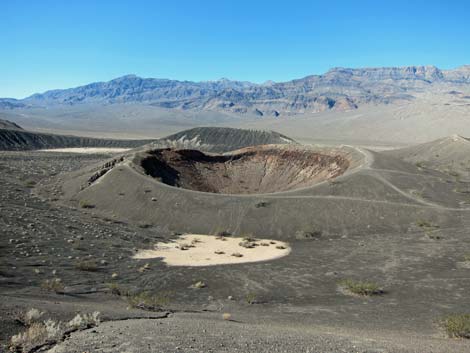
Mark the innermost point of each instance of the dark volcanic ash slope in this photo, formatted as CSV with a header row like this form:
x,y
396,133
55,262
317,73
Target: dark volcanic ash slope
x,y
6,124
20,140
337,198
221,139
450,155
209,139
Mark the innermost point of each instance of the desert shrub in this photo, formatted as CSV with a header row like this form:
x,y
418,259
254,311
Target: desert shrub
x,y
315,234
35,335
81,321
144,268
115,289
31,337
87,265
85,204
466,258
30,183
364,288
199,285
249,238
426,224
53,285
148,301
31,316
334,182
462,191
250,298
262,204
247,244
457,325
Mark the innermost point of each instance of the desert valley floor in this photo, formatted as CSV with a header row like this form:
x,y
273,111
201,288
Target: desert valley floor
x,y
72,225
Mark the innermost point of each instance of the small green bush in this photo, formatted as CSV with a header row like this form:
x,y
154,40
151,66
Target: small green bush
x,y
86,204
426,224
457,325
53,285
30,183
250,298
148,301
87,265
116,289
361,287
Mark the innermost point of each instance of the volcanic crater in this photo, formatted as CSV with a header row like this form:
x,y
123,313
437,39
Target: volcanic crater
x,y
253,170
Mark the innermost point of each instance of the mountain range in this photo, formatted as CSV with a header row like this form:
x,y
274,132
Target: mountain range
x,y
339,89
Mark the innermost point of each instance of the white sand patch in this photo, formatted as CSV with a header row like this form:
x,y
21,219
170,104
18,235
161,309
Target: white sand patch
x,y
208,250
87,150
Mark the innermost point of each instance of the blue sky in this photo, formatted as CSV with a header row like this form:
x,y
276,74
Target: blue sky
x,y
59,44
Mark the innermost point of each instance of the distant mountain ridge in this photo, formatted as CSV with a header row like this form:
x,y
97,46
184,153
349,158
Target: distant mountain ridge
x,y
338,89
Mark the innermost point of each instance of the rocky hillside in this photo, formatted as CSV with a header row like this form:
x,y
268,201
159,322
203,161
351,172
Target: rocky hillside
x,y
339,89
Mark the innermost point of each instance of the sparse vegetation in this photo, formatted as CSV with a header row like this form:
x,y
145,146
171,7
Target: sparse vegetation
x,y
249,238
53,285
35,335
84,320
30,183
250,298
85,204
31,316
87,265
262,204
457,325
247,244
315,234
466,258
426,224
148,301
364,288
185,246
434,236
115,289
198,285
223,233
144,268
39,333
462,191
